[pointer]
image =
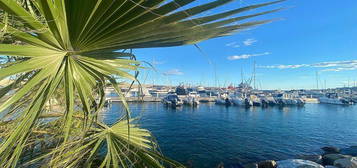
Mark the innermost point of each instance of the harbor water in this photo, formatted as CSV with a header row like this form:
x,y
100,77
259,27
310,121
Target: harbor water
x,y
210,134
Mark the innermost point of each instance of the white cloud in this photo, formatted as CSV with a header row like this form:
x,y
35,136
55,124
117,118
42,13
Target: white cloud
x,y
351,68
334,66
246,56
249,42
283,66
173,72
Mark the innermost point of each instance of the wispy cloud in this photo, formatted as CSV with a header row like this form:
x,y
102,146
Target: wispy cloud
x,y
246,56
351,68
173,72
334,66
284,66
249,42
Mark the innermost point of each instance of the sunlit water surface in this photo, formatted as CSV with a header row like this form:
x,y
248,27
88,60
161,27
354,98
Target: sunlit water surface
x,y
211,134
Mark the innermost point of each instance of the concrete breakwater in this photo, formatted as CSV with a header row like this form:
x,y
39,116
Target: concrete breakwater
x,y
332,157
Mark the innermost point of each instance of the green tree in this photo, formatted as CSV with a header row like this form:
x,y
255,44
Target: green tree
x,y
61,54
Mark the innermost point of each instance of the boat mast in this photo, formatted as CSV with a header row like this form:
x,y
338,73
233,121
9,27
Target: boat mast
x,y
254,85
241,74
325,84
317,80
215,75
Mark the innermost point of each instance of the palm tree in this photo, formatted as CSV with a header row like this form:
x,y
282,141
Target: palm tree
x,y
61,54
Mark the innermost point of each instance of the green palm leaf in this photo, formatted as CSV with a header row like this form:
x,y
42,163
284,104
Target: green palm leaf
x,y
67,52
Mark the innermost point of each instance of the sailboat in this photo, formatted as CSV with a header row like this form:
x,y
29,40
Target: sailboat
x,y
244,89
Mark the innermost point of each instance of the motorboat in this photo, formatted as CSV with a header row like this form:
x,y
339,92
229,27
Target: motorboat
x,y
333,98
192,99
254,100
223,99
238,101
268,101
172,100
287,99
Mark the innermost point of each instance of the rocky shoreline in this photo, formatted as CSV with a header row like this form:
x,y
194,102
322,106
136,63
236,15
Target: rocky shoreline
x,y
332,157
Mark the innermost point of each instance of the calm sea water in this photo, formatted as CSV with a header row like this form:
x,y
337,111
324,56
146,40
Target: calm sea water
x,y
211,134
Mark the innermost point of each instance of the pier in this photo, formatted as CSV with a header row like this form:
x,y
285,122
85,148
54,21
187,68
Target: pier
x,y
156,99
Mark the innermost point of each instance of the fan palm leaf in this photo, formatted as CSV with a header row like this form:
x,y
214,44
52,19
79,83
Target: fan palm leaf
x,y
69,50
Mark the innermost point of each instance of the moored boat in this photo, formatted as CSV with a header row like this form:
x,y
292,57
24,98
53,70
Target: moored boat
x,y
223,99
238,101
192,99
172,100
333,98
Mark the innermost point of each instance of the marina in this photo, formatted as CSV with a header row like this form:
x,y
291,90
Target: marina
x,y
210,134
242,95
242,127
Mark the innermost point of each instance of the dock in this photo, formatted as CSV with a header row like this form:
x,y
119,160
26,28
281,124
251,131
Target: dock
x,y
311,100
155,99
135,99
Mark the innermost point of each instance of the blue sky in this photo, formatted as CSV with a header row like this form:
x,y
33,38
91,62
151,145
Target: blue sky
x,y
311,36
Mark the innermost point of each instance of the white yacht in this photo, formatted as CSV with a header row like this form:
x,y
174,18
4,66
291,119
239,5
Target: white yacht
x,y
192,99
238,99
289,99
223,99
201,91
268,100
333,98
